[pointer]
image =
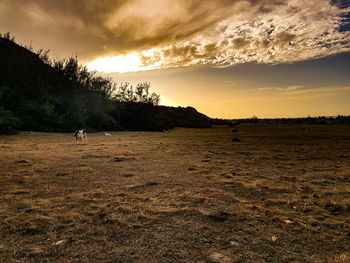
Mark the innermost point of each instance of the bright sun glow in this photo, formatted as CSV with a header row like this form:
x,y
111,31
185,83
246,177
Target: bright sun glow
x,y
132,62
128,63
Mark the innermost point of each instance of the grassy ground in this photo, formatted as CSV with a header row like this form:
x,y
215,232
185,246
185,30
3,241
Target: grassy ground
x,y
280,194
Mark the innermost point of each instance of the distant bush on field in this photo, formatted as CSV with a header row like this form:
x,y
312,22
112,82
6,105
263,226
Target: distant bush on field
x,y
340,119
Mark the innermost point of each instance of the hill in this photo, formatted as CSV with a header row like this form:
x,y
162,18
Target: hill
x,y
39,94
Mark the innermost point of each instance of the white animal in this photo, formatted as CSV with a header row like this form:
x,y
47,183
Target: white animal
x,y
80,135
107,134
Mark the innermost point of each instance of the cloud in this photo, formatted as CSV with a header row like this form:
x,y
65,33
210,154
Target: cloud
x,y
302,91
280,33
174,33
319,91
289,88
283,94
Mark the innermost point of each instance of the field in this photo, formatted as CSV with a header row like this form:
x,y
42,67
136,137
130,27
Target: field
x,y
281,193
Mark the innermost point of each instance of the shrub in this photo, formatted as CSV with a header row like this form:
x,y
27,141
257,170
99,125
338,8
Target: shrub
x,y
8,122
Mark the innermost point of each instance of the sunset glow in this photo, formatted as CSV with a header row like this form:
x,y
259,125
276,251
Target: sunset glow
x,y
128,63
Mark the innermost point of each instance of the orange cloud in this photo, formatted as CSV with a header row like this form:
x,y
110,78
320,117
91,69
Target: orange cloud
x,y
169,33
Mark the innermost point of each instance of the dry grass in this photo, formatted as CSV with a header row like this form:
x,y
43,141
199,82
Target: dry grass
x,y
276,195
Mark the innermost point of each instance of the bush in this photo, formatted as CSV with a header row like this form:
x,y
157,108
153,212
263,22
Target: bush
x,y
8,122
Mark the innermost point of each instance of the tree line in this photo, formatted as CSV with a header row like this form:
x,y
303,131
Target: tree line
x,y
42,94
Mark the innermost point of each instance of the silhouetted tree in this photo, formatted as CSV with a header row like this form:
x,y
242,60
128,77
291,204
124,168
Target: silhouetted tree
x,y
38,93
140,94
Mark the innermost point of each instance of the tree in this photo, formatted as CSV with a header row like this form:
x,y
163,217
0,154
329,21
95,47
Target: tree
x,y
140,94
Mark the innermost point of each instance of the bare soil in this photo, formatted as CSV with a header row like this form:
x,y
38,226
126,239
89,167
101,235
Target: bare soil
x,y
281,193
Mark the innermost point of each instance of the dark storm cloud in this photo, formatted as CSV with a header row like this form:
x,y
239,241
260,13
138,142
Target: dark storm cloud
x,y
111,27
167,33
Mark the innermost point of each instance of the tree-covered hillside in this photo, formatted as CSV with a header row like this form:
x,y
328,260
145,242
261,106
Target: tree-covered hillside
x,y
39,94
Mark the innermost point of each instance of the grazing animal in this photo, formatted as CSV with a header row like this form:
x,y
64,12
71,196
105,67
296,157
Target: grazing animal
x,y
107,134
80,135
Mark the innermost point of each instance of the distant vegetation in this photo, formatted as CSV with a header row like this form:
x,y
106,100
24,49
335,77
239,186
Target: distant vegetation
x,y
340,119
41,94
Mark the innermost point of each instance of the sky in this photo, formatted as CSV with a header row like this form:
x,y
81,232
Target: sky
x,y
226,58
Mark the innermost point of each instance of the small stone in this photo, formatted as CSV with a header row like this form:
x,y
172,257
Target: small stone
x,y
234,243
22,161
128,175
61,174
217,257
273,238
58,242
219,217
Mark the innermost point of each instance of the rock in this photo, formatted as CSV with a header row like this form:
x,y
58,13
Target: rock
x,y
234,243
152,183
219,217
273,238
61,174
58,242
98,222
218,257
122,159
22,161
128,175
